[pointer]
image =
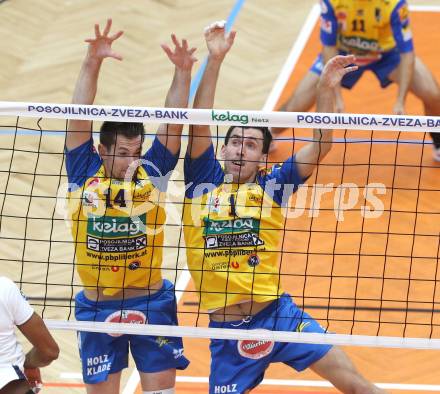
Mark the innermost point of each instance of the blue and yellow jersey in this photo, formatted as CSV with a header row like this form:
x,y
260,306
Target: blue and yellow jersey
x,y
117,226
233,233
366,28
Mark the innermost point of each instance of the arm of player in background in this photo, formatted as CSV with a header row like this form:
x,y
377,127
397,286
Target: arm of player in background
x,y
100,47
219,43
310,155
403,37
183,59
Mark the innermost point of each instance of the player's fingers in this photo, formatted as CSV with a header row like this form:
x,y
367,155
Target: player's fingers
x,y
97,31
175,41
231,37
116,35
218,25
184,44
191,51
213,26
346,60
116,56
107,27
350,69
89,40
340,61
167,50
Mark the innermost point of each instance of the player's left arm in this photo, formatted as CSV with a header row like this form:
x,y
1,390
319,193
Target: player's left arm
x,y
310,155
183,59
403,37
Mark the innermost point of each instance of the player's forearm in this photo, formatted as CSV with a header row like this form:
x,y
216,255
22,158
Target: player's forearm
x,y
204,98
177,97
37,358
208,85
178,93
87,83
405,74
328,53
84,93
322,139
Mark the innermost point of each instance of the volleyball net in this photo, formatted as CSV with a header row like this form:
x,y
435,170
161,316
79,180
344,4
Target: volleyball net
x,y
359,242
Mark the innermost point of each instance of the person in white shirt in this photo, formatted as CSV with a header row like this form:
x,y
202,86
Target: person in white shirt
x,y
19,373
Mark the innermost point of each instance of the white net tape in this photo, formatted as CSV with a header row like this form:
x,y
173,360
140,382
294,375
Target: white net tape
x,y
364,122
222,117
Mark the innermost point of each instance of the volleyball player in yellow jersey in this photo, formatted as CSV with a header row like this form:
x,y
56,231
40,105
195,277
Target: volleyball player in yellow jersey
x,y
233,231
117,217
378,33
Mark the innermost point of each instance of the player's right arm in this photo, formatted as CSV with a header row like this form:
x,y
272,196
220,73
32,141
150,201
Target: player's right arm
x,y
310,155
219,43
45,349
31,325
100,47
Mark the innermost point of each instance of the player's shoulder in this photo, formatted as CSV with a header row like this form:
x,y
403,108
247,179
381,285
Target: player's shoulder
x,y
390,5
7,287
327,5
6,283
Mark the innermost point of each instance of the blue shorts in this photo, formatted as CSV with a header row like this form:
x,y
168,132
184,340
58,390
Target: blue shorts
x,y
104,354
238,366
382,68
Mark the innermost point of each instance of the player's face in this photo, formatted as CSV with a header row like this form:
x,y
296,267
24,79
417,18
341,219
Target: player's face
x,y
121,155
243,154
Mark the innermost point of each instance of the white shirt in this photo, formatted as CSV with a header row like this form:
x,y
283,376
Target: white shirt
x,y
14,310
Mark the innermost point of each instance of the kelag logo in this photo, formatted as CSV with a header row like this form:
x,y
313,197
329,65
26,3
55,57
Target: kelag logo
x,y
111,226
229,117
216,227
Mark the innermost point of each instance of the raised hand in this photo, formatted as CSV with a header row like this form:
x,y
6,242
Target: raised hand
x,y
217,40
335,69
100,47
182,57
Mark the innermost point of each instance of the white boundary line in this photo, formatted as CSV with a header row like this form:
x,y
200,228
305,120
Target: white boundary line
x,y
181,284
424,8
318,383
292,59
293,383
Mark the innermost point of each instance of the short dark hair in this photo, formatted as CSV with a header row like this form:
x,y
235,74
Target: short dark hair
x,y
267,135
109,131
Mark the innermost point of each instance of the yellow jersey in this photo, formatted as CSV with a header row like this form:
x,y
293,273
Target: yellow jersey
x,y
233,233
366,28
117,226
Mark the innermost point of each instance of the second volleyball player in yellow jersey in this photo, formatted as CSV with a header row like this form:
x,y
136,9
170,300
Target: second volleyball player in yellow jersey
x,y
233,233
378,33
115,202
